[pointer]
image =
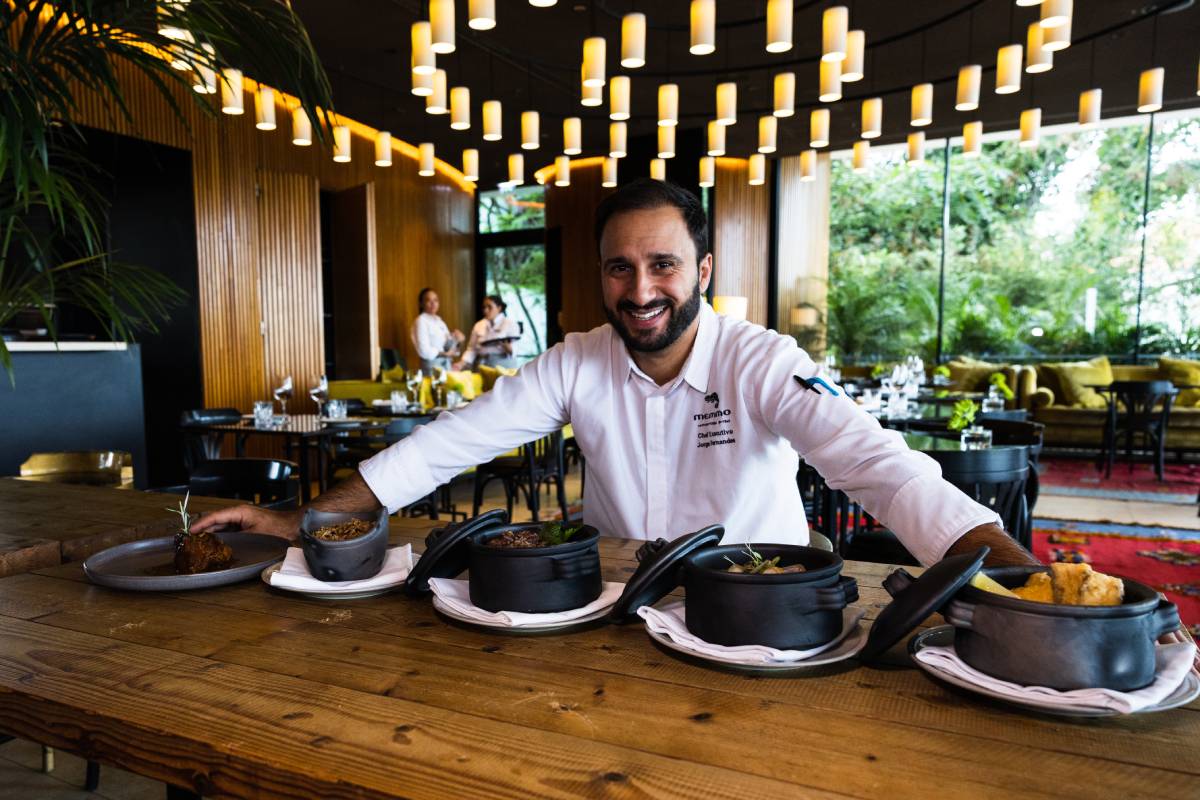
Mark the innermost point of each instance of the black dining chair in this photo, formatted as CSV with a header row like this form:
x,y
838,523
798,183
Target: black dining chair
x,y
198,445
1137,409
266,482
539,463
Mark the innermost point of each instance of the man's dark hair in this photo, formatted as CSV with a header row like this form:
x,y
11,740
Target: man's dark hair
x,y
646,193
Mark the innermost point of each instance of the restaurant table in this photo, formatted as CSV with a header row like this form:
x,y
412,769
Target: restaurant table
x,y
243,691
299,432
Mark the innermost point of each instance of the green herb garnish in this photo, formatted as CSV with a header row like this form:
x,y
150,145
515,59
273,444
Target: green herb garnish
x,y
553,533
185,519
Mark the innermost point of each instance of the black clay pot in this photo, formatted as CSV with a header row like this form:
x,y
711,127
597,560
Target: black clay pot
x,y
348,560
535,580
1060,646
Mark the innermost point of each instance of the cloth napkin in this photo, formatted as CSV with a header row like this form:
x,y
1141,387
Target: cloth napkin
x,y
294,574
669,621
1172,663
456,595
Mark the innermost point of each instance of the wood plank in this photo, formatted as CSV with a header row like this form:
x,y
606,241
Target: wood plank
x,y
741,239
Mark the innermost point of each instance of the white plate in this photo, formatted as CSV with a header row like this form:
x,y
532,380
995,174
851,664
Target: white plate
x,y
943,636
333,594
555,627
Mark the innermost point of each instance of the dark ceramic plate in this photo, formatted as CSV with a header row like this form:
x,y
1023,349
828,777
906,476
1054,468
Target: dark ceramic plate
x,y
148,565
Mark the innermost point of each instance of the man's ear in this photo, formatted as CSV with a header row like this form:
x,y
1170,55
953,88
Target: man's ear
x,y
706,266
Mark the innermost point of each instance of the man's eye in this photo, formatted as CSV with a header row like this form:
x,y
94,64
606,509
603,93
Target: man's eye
x,y
665,264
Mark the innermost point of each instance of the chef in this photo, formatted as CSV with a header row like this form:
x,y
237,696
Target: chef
x,y
686,417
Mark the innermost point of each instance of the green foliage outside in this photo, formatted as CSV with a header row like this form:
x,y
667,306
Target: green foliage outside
x,y
517,273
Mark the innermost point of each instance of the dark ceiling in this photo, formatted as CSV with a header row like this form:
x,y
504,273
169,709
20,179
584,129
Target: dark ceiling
x,y
531,59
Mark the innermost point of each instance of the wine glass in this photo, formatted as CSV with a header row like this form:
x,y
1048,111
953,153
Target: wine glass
x,y
283,393
320,392
412,382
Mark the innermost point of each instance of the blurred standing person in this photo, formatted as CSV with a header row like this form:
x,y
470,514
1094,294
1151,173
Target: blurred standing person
x,y
435,342
492,338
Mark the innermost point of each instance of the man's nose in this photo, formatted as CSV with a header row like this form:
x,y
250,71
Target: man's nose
x,y
644,289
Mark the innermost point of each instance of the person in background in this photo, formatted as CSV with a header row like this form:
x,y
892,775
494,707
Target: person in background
x,y
436,344
492,338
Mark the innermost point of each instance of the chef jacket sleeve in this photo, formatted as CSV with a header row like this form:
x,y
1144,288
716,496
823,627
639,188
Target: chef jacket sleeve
x,y
900,487
519,409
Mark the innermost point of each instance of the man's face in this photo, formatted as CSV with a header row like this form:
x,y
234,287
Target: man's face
x,y
649,277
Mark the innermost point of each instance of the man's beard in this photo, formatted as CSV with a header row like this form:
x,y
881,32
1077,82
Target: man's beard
x,y
647,342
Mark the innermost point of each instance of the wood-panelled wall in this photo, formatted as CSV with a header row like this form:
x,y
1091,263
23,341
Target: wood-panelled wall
x,y
260,309
741,230
573,208
802,247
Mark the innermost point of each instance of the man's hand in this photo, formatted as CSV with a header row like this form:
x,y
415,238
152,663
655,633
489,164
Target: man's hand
x,y
1005,552
284,524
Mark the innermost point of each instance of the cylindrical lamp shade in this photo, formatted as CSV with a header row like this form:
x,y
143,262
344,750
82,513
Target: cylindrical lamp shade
x,y
704,27
618,97
301,128
1037,59
181,56
668,104
633,41
264,108
861,160
818,127
808,165
732,306
593,61
168,26
779,26
830,90
1031,124
572,136
590,95
206,75
424,60
341,143
383,150
425,159
609,177
1056,13
872,118
852,67
716,139
708,171
967,97
516,169
493,120
562,171
834,27
422,84
1150,90
530,130
916,147
658,169
758,169
441,25
232,100
542,3
1008,69
435,102
922,104
727,103
482,14
785,94
1089,107
666,142
972,138
1028,3
1057,38
616,139
460,108
768,128
471,164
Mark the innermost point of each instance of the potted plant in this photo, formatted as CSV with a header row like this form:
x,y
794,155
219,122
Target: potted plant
x,y
971,436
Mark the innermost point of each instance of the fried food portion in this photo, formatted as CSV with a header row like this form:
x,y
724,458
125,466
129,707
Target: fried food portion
x,y
1074,585
201,552
1037,589
1101,590
1068,581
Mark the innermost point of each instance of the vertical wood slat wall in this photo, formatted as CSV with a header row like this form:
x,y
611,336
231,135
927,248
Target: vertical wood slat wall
x,y
424,236
802,237
741,231
573,208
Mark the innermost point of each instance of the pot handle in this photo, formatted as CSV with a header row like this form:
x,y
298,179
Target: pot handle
x,y
575,565
959,614
827,598
1164,619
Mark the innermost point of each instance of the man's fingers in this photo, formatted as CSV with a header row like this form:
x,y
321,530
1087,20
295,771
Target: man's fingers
x,y
226,516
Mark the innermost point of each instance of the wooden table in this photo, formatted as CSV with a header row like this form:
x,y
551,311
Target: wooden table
x,y
246,692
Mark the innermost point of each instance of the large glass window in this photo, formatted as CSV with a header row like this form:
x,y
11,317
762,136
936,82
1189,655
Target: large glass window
x,y
512,209
511,222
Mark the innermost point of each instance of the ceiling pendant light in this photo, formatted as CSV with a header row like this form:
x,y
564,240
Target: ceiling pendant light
x,y
590,95
1150,90
779,26
425,159
435,101
818,127
530,130
206,73
617,135
708,172
633,41
572,136
1055,39
167,26
716,138
922,104
609,178
1056,13
1031,123
834,27
666,142
872,118
972,138
1028,3
383,149
460,108
618,97
758,169
422,85
301,127
562,171
232,100
658,169
341,143
264,108
861,160
808,165
516,169
424,61
470,168
1089,107
482,15
831,82
916,148
768,129
542,3
593,61
704,27
668,104
493,125
181,55
785,94
852,67
727,103
1037,59
967,98
1008,69
441,26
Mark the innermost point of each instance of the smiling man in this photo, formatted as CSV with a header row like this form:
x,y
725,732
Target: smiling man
x,y
686,417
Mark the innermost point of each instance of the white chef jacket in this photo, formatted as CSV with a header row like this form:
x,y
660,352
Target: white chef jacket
x,y
483,331
718,444
429,336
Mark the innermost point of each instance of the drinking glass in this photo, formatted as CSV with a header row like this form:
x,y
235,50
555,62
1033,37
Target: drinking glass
x,y
398,401
264,413
993,402
412,382
283,393
453,398
320,392
335,409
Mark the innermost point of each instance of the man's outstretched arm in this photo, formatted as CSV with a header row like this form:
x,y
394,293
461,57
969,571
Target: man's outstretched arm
x,y
352,494
1005,551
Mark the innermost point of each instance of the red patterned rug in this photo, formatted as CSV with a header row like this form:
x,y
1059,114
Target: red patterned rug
x,y
1170,565
1081,478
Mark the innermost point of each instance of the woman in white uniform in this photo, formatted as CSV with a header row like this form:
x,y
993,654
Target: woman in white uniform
x,y
492,338
434,341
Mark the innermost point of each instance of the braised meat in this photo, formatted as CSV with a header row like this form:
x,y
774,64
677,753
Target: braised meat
x,y
200,552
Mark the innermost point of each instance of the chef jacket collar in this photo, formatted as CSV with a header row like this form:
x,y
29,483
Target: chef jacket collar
x,y
699,362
